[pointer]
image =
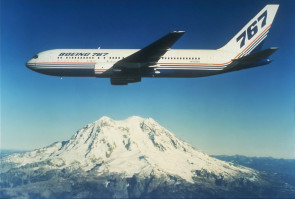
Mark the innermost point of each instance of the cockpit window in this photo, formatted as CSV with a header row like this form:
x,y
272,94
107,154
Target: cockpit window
x,y
35,57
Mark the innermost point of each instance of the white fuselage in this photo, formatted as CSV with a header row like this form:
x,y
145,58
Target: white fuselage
x,y
97,62
158,60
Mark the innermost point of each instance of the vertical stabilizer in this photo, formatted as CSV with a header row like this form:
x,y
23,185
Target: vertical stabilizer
x,y
253,34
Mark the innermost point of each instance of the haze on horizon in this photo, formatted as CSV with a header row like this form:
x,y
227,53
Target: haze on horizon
x,y
249,112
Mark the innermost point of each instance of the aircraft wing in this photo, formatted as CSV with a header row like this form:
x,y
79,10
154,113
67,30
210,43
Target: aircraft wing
x,y
150,54
251,60
128,69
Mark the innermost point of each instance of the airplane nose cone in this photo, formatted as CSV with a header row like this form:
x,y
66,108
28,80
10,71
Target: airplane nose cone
x,y
30,64
27,65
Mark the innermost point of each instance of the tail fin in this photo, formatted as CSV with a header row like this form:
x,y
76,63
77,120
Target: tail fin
x,y
253,33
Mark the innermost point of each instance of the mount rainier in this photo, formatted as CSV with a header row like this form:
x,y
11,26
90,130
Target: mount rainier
x,y
132,158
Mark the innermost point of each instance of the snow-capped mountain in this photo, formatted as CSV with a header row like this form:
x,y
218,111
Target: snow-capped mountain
x,y
135,157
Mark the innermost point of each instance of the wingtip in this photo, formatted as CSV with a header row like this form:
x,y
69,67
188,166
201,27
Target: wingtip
x,y
179,31
273,49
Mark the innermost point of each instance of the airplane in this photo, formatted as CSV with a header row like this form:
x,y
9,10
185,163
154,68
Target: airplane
x,y
125,66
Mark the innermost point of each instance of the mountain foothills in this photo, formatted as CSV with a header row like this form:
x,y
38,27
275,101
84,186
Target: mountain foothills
x,y
266,164
132,158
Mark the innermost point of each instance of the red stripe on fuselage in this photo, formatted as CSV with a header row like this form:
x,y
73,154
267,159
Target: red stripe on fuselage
x,y
65,63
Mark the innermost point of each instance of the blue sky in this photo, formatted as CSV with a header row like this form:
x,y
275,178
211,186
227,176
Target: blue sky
x,y
249,112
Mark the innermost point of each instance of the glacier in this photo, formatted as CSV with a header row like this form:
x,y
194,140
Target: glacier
x,y
131,158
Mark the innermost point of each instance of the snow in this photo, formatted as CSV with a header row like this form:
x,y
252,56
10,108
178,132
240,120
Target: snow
x,y
131,146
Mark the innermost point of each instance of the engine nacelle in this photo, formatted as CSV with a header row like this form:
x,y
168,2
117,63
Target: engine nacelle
x,y
122,80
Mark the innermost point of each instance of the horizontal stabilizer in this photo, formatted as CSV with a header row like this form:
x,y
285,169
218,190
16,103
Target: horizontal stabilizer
x,y
251,60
